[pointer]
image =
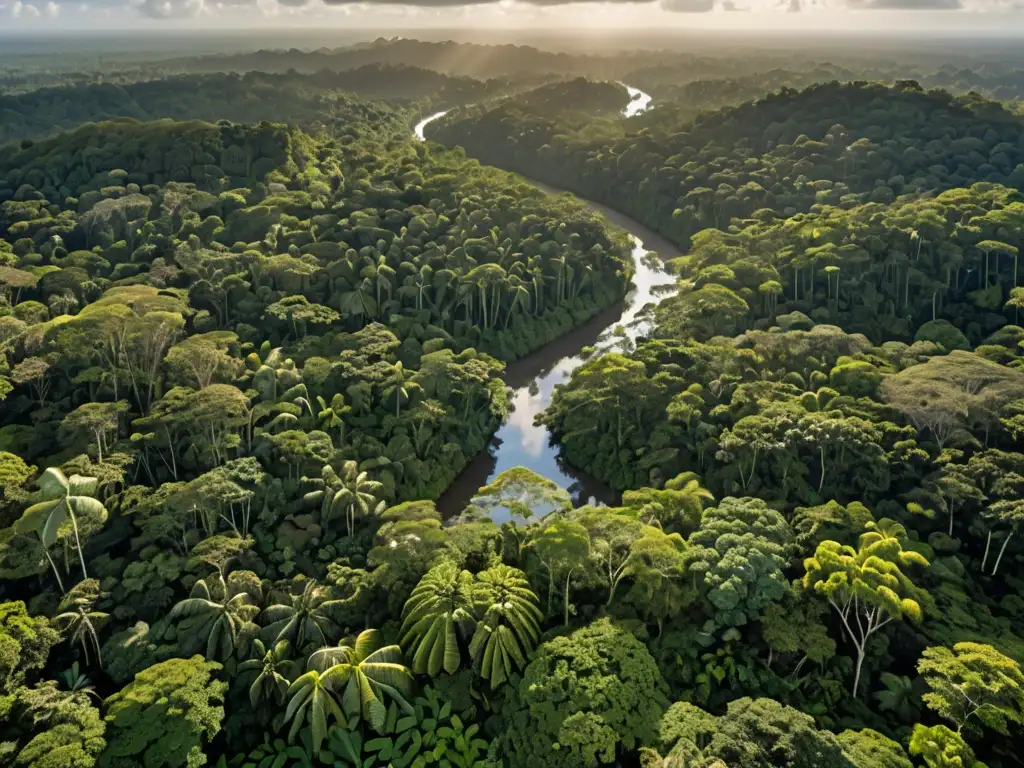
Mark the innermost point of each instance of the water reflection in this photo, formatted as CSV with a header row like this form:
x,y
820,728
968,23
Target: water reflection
x,y
639,101
521,442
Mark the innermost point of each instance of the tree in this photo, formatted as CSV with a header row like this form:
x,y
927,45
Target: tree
x,y
657,563
399,386
164,715
523,493
363,673
1008,511
940,747
676,507
583,699
96,421
509,626
25,643
311,699
63,499
221,610
740,552
612,533
33,372
562,546
761,733
439,610
199,359
973,681
304,621
70,729
866,586
78,617
272,669
300,313
870,749
351,492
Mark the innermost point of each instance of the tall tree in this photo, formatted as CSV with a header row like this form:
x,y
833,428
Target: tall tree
x,y
562,546
865,586
165,715
77,616
63,499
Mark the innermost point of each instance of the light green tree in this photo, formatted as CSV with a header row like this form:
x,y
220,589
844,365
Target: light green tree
x,y
973,680
866,586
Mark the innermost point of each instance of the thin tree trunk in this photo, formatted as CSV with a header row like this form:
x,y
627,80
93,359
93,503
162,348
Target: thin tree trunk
x,y
56,573
567,577
860,664
988,544
78,542
1002,549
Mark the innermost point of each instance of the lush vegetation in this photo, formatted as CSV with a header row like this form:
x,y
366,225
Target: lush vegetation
x,y
306,100
840,365
241,361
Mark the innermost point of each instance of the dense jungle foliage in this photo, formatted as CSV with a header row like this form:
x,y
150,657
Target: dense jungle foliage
x,y
241,361
300,99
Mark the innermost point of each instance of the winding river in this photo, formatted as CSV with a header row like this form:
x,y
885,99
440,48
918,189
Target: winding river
x,y
520,442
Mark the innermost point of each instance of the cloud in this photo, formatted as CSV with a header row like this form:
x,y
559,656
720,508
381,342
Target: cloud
x,y
907,5
184,9
52,9
171,9
688,6
730,6
22,10
468,3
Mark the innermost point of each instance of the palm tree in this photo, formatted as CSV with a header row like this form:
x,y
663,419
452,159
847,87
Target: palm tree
x,y
397,387
330,416
383,277
221,614
364,672
357,494
510,625
303,621
63,499
310,698
441,604
271,682
520,298
326,487
78,618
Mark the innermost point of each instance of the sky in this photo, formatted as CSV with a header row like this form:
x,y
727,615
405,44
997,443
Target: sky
x,y
38,16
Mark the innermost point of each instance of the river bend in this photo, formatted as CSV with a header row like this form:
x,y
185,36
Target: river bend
x,y
532,379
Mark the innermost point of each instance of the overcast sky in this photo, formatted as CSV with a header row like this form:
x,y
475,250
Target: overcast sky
x,y
1006,16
